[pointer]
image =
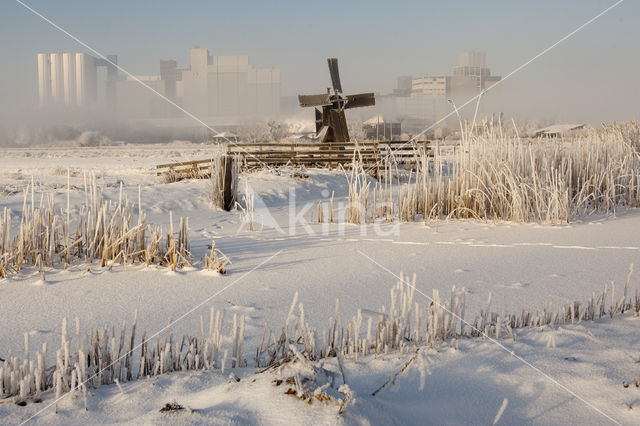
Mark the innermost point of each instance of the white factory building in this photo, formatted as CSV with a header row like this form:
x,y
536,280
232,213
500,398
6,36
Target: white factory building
x,y
470,77
426,97
474,65
71,79
226,87
231,85
210,87
442,86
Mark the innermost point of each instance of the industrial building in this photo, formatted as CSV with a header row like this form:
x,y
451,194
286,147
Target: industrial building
x,y
230,85
404,86
470,77
474,64
135,101
227,87
379,128
424,98
71,79
442,86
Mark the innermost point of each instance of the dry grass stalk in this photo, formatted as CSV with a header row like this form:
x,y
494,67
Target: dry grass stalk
x,y
358,184
216,260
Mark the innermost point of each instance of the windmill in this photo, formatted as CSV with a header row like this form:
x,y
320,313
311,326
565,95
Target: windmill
x,y
332,117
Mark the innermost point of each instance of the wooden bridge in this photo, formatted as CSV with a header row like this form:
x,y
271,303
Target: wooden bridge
x,y
322,154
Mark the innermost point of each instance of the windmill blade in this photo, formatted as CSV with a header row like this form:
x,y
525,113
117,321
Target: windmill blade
x,y
314,100
335,75
360,100
319,121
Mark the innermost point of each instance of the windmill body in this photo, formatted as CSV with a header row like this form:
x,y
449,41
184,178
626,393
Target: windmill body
x,y
331,121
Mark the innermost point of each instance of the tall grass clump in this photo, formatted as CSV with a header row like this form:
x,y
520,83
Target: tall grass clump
x,y
629,132
372,199
492,176
102,231
358,184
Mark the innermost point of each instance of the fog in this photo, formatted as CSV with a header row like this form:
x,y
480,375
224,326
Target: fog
x,y
589,78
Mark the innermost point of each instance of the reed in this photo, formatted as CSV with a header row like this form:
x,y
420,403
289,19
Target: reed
x,y
248,210
216,260
358,184
100,231
492,176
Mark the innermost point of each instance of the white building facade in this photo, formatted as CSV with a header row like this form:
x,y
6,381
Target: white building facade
x,y
474,65
69,79
426,97
226,87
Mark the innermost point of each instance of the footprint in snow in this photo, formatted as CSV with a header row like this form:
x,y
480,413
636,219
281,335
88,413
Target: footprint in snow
x,y
517,284
248,308
36,332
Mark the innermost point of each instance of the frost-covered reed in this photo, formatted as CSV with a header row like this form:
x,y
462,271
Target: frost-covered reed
x,y
101,231
104,355
215,260
492,176
358,184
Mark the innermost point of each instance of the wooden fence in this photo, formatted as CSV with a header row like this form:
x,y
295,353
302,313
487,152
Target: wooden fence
x,y
323,154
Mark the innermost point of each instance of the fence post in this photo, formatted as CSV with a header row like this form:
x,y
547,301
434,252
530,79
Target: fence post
x,y
227,178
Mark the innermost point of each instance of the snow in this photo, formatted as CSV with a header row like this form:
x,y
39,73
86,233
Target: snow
x,y
522,265
374,121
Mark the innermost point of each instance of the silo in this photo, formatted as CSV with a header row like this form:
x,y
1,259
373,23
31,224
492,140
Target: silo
x,y
69,78
80,79
86,79
44,79
57,80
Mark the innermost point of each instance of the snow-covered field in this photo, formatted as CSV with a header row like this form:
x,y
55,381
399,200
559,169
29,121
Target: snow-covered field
x,y
566,374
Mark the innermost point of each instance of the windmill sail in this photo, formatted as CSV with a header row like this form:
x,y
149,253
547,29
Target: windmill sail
x,y
319,121
360,100
335,75
314,100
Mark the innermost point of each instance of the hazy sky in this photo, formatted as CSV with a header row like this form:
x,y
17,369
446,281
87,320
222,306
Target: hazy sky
x,y
591,77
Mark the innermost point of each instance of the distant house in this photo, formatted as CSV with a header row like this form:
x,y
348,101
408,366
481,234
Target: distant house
x,y
225,137
557,130
377,128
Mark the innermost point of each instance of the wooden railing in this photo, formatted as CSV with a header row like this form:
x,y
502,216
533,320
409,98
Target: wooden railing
x,y
323,154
